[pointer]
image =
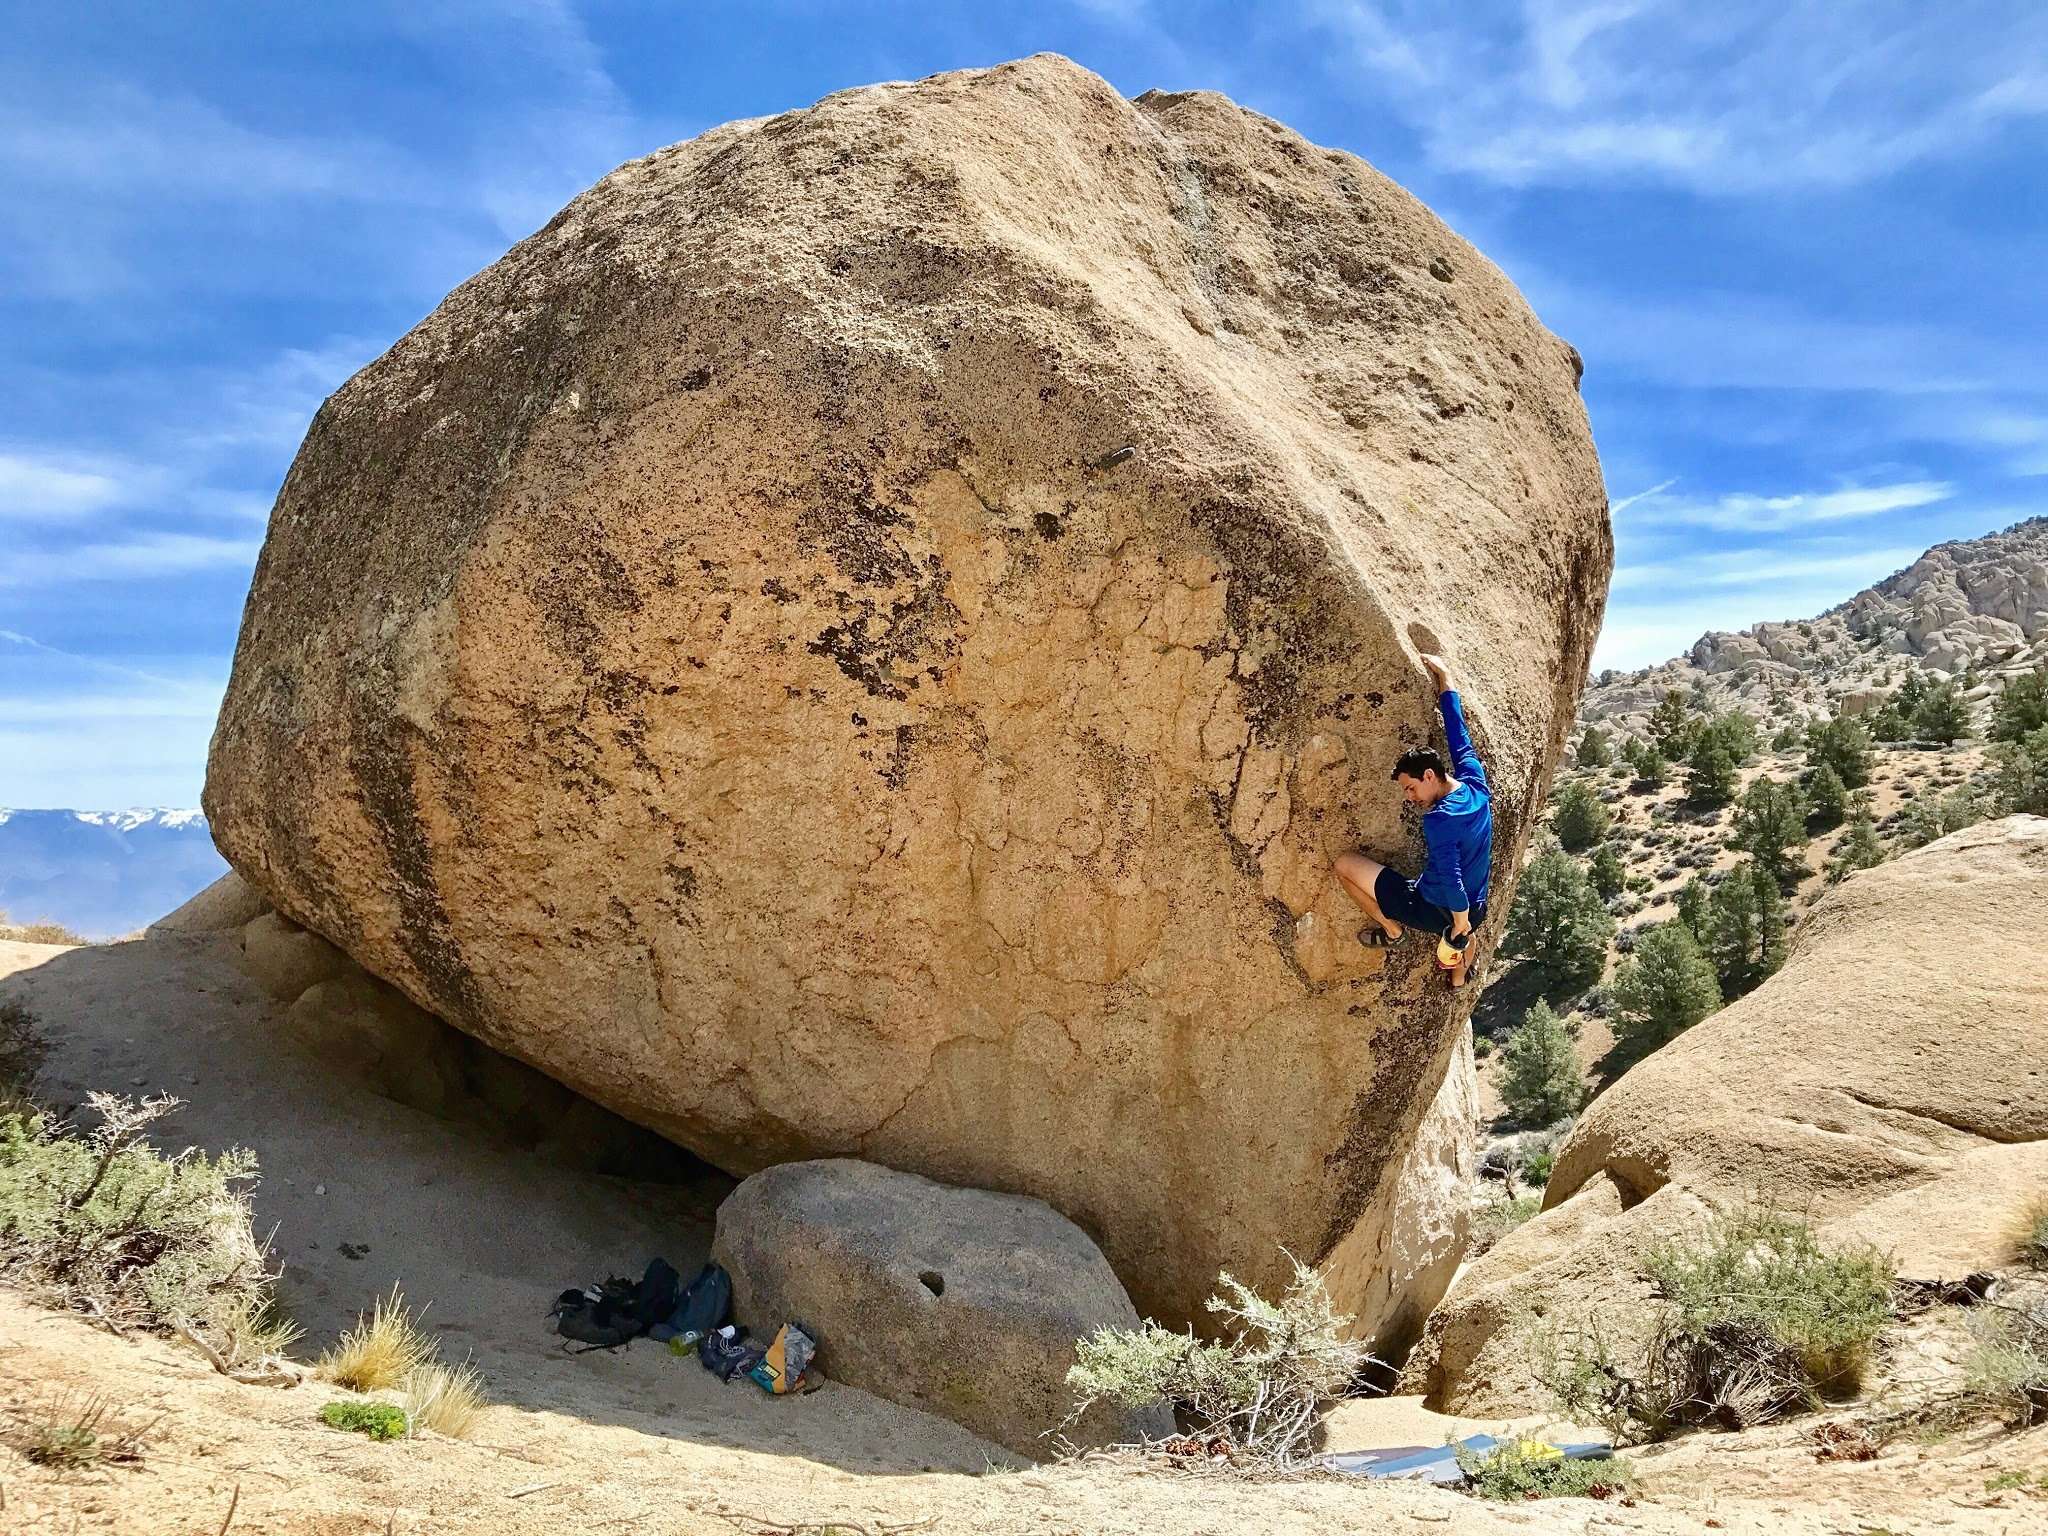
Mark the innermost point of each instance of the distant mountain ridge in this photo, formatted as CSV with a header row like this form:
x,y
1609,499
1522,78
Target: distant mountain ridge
x,y
102,873
1975,609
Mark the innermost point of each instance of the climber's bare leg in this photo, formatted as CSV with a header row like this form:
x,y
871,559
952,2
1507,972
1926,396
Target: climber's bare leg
x,y
1359,874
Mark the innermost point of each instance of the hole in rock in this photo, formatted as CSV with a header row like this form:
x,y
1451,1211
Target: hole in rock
x,y
933,1281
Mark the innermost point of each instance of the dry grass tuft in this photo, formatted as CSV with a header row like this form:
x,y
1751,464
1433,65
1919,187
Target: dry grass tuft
x,y
380,1351
77,1434
448,1399
38,932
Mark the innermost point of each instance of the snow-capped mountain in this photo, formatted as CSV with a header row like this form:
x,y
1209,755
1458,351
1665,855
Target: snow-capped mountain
x,y
102,873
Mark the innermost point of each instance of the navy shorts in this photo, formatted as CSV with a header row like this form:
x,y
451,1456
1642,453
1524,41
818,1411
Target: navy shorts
x,y
1398,898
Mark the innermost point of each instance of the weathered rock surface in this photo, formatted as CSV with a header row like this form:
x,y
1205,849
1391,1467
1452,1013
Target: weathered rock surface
x,y
961,1302
726,657
1891,1079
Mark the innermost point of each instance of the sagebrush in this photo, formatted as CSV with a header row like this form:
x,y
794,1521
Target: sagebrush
x,y
2006,1370
102,1222
1752,1319
1262,1389
1527,1469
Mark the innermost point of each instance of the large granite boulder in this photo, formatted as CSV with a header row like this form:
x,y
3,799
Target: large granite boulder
x,y
1888,1082
864,635
962,1302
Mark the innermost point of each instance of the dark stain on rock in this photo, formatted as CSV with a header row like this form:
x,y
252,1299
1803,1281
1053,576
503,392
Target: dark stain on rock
x,y
896,772
774,588
1279,587
1405,1053
1049,527
868,645
696,378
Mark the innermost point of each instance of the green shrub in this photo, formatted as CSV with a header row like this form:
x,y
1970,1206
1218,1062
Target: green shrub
x,y
380,1421
1647,762
22,1051
1710,775
2022,708
1526,1469
1827,797
1540,1079
1558,920
1580,820
1859,848
1665,987
1786,739
1495,1217
1931,817
1596,749
107,1224
1943,714
1261,1388
1606,871
2006,1369
2023,773
1841,745
1754,1319
1536,1170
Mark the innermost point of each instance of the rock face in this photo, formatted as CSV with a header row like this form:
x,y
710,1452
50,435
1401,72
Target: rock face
x,y
1889,1080
960,1302
864,635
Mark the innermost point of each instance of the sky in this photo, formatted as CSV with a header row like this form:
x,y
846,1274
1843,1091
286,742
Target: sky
x,y
1799,247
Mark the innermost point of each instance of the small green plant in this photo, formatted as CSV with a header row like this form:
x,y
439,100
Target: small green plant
x,y
1495,1217
1540,1079
380,1351
380,1421
73,1434
2015,1480
1260,1389
22,1051
1537,1168
1529,1469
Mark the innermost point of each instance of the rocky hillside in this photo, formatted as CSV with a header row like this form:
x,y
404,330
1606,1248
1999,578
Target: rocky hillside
x,y
1975,610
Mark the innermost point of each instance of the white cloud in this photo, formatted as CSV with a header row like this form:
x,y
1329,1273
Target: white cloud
x,y
145,554
1745,512
38,487
1616,508
1737,97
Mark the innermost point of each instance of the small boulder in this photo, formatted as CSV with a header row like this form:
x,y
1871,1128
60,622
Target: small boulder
x,y
961,1302
285,959
228,903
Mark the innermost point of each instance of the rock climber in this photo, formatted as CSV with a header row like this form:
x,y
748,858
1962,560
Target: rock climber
x,y
1449,897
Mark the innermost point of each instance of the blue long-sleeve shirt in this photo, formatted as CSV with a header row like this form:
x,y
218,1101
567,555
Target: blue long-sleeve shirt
x,y
1459,827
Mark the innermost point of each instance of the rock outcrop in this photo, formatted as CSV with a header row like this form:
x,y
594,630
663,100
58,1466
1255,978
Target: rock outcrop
x,y
1975,603
1890,1080
960,1302
864,635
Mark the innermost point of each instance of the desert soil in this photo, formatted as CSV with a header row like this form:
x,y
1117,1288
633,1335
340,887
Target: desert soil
x,y
364,1194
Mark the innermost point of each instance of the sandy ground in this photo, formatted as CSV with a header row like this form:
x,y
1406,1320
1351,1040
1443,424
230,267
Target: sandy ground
x,y
642,1441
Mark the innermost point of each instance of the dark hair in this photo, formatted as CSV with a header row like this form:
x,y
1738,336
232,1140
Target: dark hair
x,y
1417,761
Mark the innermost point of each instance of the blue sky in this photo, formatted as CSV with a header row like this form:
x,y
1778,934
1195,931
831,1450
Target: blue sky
x,y
1800,248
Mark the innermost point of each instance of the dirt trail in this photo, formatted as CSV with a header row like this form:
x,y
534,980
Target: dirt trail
x,y
641,1441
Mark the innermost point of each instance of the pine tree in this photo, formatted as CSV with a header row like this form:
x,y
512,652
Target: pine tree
x,y
1596,748
1770,822
1558,921
1607,872
1647,762
2022,708
1673,726
1745,923
1786,739
1859,848
1943,714
1663,989
1735,731
1540,1080
1693,898
1842,744
1932,817
2023,773
1710,775
1827,798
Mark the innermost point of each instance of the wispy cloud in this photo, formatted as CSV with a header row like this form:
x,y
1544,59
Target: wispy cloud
x,y
1732,98
59,488
1616,508
147,554
1746,512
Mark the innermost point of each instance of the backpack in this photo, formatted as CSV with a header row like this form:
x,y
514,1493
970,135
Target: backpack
x,y
619,1310
707,1303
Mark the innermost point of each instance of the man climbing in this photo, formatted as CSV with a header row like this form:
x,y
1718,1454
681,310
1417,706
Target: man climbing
x,y
1449,897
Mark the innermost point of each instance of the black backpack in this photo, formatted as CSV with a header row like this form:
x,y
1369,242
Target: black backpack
x,y
618,1311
